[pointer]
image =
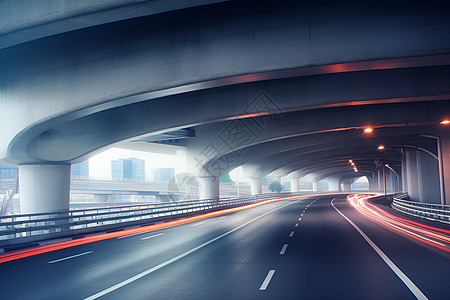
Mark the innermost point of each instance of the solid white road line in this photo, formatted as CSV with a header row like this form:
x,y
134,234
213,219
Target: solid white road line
x,y
69,257
296,225
199,223
283,250
292,234
266,281
174,259
152,236
411,286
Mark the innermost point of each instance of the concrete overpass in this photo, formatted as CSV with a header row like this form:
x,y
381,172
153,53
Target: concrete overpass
x,y
287,88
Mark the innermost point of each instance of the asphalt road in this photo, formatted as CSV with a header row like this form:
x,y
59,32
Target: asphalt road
x,y
278,250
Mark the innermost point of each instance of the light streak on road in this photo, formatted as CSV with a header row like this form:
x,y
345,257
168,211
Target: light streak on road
x,y
436,237
13,255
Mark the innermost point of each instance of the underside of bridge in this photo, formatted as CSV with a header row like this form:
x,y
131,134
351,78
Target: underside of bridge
x,y
334,90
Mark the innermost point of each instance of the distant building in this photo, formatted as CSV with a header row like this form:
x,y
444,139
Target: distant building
x,y
80,170
131,168
8,172
163,174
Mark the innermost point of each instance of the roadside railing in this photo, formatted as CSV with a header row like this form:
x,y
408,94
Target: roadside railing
x,y
434,212
27,228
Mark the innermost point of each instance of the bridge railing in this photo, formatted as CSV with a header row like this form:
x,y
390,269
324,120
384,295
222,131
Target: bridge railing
x,y
28,228
434,212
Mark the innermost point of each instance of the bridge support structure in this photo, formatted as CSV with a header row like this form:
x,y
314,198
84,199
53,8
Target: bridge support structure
x,y
295,185
255,186
422,177
44,188
209,187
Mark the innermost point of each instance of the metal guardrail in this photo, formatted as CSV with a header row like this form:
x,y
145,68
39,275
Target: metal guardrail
x,y
434,212
26,228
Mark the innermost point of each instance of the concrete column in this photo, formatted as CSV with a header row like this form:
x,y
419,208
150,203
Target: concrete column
x,y
429,187
333,185
374,182
411,175
422,172
391,184
445,164
209,187
294,185
404,175
44,188
255,186
347,185
315,185
380,180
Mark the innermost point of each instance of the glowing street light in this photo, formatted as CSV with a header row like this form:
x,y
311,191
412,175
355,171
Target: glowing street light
x,y
368,130
350,161
445,122
381,147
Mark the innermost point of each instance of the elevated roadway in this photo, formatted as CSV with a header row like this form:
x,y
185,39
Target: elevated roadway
x,y
290,249
278,88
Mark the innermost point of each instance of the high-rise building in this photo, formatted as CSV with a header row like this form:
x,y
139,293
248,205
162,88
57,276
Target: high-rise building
x,y
131,168
80,170
163,174
8,172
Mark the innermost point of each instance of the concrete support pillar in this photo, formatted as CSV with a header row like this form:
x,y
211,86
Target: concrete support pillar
x,y
380,180
294,185
209,187
347,185
101,198
422,172
255,186
333,185
374,182
390,181
429,187
445,164
404,175
411,175
44,188
315,185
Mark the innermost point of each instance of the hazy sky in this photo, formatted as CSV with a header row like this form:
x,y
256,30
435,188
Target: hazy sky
x,y
100,164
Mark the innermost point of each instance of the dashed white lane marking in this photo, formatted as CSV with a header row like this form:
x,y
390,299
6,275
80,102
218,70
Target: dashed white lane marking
x,y
180,256
152,236
299,219
69,257
199,223
292,234
411,286
296,225
301,215
283,250
266,281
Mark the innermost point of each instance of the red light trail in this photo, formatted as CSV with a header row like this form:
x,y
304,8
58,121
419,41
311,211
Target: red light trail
x,y
13,255
433,236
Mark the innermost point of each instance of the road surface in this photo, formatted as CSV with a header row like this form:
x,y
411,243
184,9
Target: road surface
x,y
292,249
